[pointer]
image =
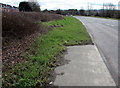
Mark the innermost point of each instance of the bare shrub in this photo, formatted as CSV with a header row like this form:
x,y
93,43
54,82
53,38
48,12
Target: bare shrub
x,y
17,25
19,31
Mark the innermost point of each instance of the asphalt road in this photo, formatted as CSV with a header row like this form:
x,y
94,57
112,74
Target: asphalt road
x,y
104,33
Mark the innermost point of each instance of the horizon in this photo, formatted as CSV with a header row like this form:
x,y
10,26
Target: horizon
x,y
60,4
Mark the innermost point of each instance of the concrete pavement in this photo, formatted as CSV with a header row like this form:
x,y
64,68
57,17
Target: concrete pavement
x,y
86,68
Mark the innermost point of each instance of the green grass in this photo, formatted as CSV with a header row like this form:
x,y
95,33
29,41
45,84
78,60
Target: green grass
x,y
44,50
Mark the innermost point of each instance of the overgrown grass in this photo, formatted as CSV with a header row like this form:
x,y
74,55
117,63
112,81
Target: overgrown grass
x,y
36,70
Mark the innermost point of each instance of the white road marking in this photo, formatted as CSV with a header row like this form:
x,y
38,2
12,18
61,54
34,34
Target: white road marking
x,y
110,25
107,24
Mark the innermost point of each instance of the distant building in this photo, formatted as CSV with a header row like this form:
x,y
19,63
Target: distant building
x,y
8,8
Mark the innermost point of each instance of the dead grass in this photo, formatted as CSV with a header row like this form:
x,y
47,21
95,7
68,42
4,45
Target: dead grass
x,y
19,31
17,25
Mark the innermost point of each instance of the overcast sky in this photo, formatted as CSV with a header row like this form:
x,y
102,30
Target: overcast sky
x,y
65,4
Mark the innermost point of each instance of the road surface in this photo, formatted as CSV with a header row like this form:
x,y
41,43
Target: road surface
x,y
105,35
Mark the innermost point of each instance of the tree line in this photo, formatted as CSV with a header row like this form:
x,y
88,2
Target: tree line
x,y
108,10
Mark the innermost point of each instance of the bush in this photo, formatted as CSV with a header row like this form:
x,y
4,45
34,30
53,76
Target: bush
x,y
29,6
24,6
17,25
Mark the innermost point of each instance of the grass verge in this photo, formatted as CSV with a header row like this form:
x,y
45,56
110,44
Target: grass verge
x,y
35,71
104,17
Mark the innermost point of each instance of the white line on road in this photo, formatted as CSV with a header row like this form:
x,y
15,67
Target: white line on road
x,y
110,25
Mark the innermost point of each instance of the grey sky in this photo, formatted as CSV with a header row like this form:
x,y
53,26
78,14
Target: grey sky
x,y
65,4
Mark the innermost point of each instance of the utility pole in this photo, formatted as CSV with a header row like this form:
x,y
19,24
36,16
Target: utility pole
x,y
88,8
103,7
119,5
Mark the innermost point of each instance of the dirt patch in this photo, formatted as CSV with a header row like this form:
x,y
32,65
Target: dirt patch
x,y
13,53
54,26
58,61
19,31
80,43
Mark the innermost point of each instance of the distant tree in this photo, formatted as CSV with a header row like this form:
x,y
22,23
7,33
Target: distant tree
x,y
29,6
109,6
59,11
82,12
24,6
89,9
52,11
15,7
45,10
34,6
97,14
65,12
73,12
109,9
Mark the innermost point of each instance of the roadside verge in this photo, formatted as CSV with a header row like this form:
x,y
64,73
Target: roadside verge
x,y
35,71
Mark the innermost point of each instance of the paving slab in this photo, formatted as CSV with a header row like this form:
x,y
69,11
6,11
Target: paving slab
x,y
86,68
